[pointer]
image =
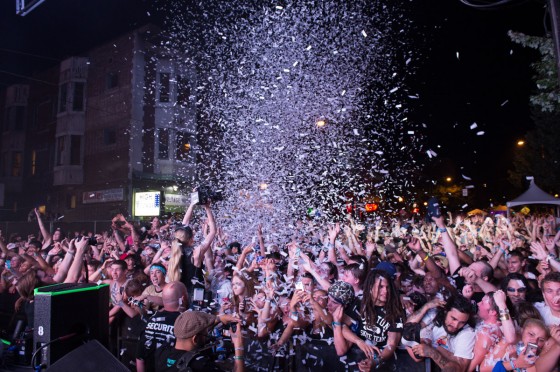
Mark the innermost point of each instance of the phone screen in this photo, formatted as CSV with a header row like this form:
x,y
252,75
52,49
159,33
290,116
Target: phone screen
x,y
198,294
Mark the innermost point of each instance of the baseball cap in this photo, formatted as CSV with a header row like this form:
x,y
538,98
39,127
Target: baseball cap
x,y
387,267
191,323
341,292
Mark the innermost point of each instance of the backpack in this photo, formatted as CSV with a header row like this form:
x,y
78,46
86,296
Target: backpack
x,y
183,362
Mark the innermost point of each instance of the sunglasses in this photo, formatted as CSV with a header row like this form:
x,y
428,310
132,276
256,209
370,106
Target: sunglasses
x,y
519,290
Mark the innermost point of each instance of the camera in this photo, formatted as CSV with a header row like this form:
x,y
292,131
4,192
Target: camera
x,y
434,209
134,302
205,193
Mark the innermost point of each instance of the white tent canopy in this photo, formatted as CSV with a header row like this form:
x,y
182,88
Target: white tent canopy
x,y
534,195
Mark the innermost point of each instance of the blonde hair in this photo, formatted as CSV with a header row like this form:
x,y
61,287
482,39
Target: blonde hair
x,y
173,267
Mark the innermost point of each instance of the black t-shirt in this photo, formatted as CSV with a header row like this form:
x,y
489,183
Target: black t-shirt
x,y
191,276
166,359
157,334
378,332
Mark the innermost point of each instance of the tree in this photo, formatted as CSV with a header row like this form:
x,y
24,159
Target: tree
x,y
541,154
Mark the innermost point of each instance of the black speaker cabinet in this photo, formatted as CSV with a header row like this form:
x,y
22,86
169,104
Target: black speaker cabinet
x,y
91,357
66,315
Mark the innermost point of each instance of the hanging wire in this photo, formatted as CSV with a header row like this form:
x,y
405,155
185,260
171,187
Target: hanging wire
x,y
483,4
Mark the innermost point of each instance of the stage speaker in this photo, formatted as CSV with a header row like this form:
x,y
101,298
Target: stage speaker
x,y
66,315
90,357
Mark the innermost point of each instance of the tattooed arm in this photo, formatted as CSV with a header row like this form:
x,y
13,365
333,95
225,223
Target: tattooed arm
x,y
446,363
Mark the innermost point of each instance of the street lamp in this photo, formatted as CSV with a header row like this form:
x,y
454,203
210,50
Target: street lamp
x,y
448,179
521,143
321,123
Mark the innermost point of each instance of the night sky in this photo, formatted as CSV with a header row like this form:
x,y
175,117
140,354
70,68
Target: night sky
x,y
467,71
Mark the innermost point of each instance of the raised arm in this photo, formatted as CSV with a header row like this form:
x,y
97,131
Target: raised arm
x,y
261,240
76,268
188,214
425,257
198,254
47,237
448,245
333,232
66,262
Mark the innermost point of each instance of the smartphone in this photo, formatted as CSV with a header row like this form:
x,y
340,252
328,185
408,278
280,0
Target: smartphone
x,y
299,286
198,294
531,349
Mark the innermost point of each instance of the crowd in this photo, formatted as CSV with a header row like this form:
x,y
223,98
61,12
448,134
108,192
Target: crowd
x,y
459,293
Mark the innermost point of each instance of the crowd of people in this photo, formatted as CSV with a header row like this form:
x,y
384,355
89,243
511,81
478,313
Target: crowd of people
x,y
458,293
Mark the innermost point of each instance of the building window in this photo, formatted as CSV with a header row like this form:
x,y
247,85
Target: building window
x,y
184,150
46,113
109,136
5,164
163,144
183,91
78,102
60,145
75,150
71,201
33,162
112,80
164,86
63,98
16,164
15,119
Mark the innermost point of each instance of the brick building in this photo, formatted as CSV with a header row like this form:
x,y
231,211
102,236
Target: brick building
x,y
84,137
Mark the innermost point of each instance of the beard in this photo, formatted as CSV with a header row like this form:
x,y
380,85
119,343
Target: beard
x,y
451,333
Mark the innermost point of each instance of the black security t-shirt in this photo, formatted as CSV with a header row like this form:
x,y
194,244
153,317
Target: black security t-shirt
x,y
157,334
378,332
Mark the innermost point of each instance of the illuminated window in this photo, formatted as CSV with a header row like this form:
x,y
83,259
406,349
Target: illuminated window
x,y
33,162
184,150
16,164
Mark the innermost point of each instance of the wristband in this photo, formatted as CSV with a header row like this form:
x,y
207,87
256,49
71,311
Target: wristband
x,y
441,229
334,324
239,357
240,348
427,256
